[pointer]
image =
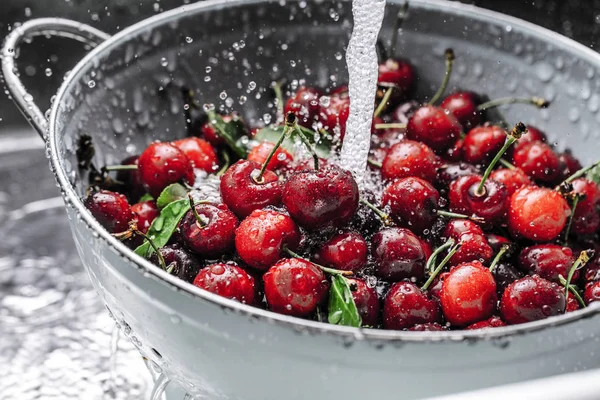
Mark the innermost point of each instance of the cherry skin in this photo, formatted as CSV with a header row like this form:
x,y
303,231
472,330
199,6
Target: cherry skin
x,y
162,164
505,274
592,269
410,158
366,300
468,294
333,117
110,209
399,74
586,219
145,212
405,306
533,135
463,105
305,104
482,143
241,191
345,251
295,287
200,153
452,171
548,261
435,290
321,199
568,165
398,254
412,203
433,126
186,264
260,238
592,292
429,327
456,152
492,322
538,161
512,179
537,214
134,188
260,152
496,242
213,236
491,205
473,245
530,299
227,280
572,304
211,135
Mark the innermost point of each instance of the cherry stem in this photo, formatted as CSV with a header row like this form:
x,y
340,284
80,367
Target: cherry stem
x,y
442,89
133,230
383,102
583,259
286,130
572,289
374,163
578,174
307,144
324,269
499,256
226,164
513,136
394,125
506,164
384,217
397,26
430,266
201,224
131,167
441,266
576,198
279,98
448,214
536,101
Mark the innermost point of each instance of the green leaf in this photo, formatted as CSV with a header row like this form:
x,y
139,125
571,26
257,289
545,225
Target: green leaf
x,y
163,226
342,309
231,132
270,134
594,174
174,191
146,197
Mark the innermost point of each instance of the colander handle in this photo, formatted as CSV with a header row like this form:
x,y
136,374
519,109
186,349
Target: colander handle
x,y
37,27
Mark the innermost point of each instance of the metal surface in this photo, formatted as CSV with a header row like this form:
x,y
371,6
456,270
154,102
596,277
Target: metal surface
x,y
210,345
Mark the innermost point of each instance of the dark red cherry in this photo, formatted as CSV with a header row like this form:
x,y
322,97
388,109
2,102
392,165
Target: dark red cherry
x,y
450,172
366,300
260,153
482,143
433,126
305,104
456,152
110,209
512,179
243,193
491,205
530,299
162,164
505,274
586,219
410,158
592,292
572,304
548,261
405,306
145,212
435,290
592,269
398,254
468,294
345,251
538,214
200,153
568,165
214,234
473,245
399,74
227,280
463,105
492,322
321,199
496,242
333,116
295,287
260,238
429,327
134,188
185,265
412,202
537,160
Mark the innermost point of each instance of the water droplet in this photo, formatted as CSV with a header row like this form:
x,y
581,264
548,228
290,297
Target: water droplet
x,y
544,71
574,114
164,62
92,84
48,72
223,95
188,39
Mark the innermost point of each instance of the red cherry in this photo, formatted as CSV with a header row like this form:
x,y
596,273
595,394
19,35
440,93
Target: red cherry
x,y
538,214
452,171
366,300
456,152
433,126
162,164
592,269
145,212
305,104
533,135
492,322
530,299
228,281
398,255
243,194
429,327
410,158
505,274
592,292
345,251
211,135
586,219
512,179
214,235
435,290
463,105
200,153
491,205
399,74
321,199
473,245
406,305
572,304
548,261
260,152
186,264
333,116
110,209
468,294
568,165
131,180
260,238
295,287
412,202
537,160
481,144
496,242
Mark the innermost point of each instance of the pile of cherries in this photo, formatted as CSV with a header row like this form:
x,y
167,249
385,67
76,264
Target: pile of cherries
x,y
463,224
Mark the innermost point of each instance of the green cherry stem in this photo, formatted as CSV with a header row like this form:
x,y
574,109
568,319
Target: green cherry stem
x,y
226,164
374,163
133,231
578,174
384,217
499,256
583,259
324,269
131,167
575,201
394,125
448,214
513,136
306,143
573,290
506,164
449,63
536,101
383,102
201,224
430,266
441,266
286,131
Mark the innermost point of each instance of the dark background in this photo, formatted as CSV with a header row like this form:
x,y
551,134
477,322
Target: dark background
x,y
577,19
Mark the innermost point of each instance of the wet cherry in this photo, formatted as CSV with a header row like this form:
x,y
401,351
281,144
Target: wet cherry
x,y
505,274
110,209
162,164
482,143
260,152
548,261
429,327
227,280
492,322
512,179
473,245
405,306
398,74
568,165
334,115
592,292
209,229
450,172
145,212
433,126
398,254
463,106
305,104
537,160
491,205
345,251
410,158
366,300
586,219
200,153
185,264
530,299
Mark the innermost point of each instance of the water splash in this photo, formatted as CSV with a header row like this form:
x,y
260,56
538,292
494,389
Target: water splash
x,y
361,58
159,387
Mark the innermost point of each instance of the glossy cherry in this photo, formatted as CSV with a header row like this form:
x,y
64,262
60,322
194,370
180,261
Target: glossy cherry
x,y
305,104
227,280
586,219
567,166
533,135
450,172
492,322
435,289
398,254
261,152
145,212
346,251
548,261
200,153
496,242
295,287
261,237
463,106
512,179
210,230
333,116
366,300
433,126
412,203
162,164
410,158
592,292
473,245
398,74
110,209
464,198
482,143
185,265
537,160
429,327
530,299
405,306
505,273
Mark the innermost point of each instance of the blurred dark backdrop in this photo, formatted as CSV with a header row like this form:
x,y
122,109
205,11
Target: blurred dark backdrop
x,y
46,64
